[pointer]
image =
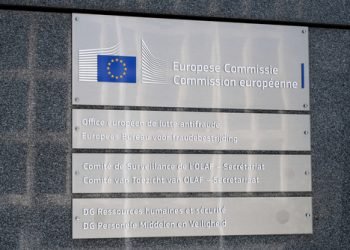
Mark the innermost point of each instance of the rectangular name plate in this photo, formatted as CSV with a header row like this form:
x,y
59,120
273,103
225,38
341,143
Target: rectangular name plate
x,y
136,61
162,217
143,173
132,129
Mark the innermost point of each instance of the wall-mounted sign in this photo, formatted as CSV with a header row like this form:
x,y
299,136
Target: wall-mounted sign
x,y
155,173
135,61
134,129
161,217
177,85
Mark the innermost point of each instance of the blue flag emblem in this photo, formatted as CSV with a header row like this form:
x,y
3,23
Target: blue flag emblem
x,y
116,69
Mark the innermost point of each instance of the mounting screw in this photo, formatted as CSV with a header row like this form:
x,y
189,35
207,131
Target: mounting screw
x,y
306,132
303,31
76,99
76,18
307,215
305,105
77,218
76,172
76,128
307,172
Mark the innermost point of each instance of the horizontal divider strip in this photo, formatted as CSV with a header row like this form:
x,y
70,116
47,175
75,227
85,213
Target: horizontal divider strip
x,y
191,195
189,151
184,109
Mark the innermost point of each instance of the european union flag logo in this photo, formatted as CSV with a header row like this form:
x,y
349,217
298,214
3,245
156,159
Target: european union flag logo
x,y
116,69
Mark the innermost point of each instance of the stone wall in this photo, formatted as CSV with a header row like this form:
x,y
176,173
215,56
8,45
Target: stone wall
x,y
35,120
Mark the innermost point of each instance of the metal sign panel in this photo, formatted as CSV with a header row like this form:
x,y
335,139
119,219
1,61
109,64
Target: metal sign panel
x,y
133,129
145,173
161,217
136,61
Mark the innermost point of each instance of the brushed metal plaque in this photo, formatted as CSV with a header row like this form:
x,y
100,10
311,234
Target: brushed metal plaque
x,y
162,217
133,129
183,63
154,173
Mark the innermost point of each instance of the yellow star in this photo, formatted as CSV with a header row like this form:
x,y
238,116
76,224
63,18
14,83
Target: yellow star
x,y
125,69
124,64
121,61
121,76
124,73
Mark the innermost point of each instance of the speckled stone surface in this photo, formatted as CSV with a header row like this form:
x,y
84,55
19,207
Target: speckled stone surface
x,y
10,226
13,104
13,44
35,136
320,11
330,103
50,164
12,168
51,93
52,43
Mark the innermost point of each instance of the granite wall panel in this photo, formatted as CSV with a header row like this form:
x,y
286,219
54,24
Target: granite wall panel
x,y
35,136
320,11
